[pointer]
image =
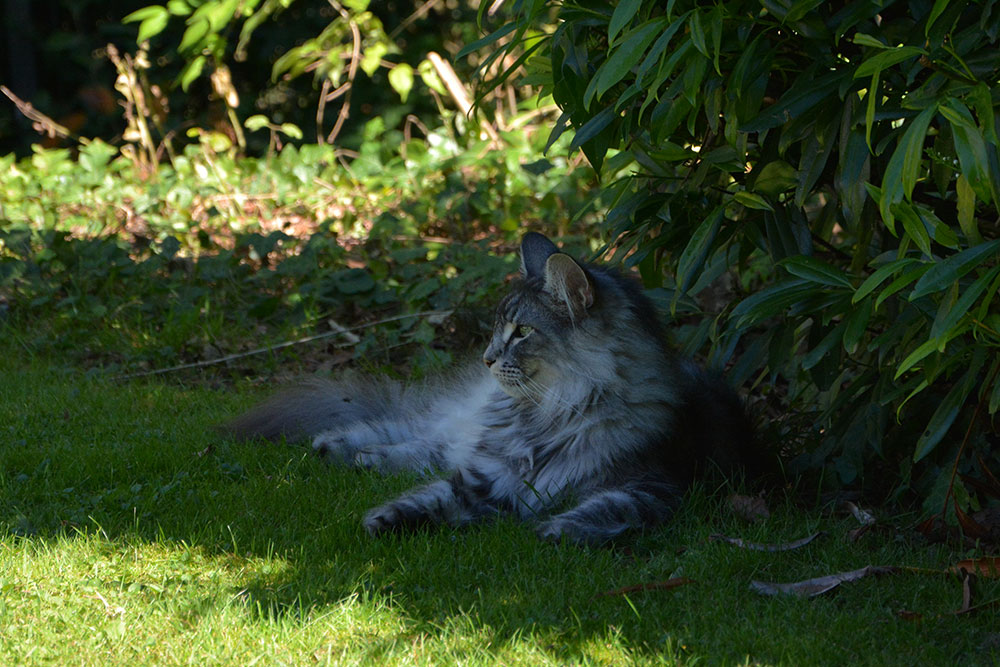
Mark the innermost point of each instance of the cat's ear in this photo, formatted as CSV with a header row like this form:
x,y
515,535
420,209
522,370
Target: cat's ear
x,y
535,251
568,284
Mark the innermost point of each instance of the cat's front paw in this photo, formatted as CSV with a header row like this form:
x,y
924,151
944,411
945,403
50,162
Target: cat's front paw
x,y
552,530
561,528
334,447
370,460
382,520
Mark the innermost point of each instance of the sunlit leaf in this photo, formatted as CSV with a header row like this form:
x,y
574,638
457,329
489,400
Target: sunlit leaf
x,y
192,71
626,55
886,59
256,122
752,200
401,80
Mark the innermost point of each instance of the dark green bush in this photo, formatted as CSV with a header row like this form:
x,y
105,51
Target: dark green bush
x,y
837,162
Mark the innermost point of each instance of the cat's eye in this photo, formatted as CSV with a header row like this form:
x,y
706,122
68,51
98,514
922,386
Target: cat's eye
x,y
522,330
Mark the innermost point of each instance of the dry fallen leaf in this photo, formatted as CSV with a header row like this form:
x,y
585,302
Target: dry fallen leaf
x,y
864,517
970,528
968,583
655,585
754,546
819,585
985,567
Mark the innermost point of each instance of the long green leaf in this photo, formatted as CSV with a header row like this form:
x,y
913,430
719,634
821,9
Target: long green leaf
x,y
966,203
808,91
592,128
945,415
694,254
944,273
936,10
904,166
926,348
879,276
982,102
970,147
995,397
623,14
857,323
486,41
626,55
698,34
771,302
659,46
870,99
885,59
913,226
901,282
822,349
946,320
815,270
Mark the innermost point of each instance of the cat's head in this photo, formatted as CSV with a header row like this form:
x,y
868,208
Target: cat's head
x,y
529,344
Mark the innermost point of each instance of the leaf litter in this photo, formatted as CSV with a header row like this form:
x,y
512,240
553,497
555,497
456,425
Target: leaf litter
x,y
819,585
755,546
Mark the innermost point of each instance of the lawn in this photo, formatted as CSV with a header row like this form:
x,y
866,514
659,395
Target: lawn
x,y
130,533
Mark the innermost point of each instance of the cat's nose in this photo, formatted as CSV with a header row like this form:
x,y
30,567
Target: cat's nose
x,y
489,361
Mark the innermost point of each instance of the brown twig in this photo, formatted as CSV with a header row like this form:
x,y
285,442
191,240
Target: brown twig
x,y
418,13
352,70
42,123
136,109
261,350
949,494
456,88
651,586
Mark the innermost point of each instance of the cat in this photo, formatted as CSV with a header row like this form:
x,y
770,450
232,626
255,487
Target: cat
x,y
578,418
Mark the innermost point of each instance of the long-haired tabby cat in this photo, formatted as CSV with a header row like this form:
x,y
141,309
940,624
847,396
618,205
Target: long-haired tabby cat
x,y
578,418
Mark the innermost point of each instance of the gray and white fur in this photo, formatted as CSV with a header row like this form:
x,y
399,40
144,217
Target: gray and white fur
x,y
578,418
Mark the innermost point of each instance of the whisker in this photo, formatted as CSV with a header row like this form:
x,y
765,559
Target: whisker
x,y
551,395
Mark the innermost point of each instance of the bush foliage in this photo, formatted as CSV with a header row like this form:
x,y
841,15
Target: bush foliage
x,y
839,162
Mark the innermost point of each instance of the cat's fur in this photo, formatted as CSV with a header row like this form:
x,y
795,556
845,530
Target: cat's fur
x,y
580,419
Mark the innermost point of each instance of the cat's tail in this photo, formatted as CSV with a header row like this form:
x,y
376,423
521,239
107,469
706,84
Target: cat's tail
x,y
314,406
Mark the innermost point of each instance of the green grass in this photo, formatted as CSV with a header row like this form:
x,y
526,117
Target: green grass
x,y
131,534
